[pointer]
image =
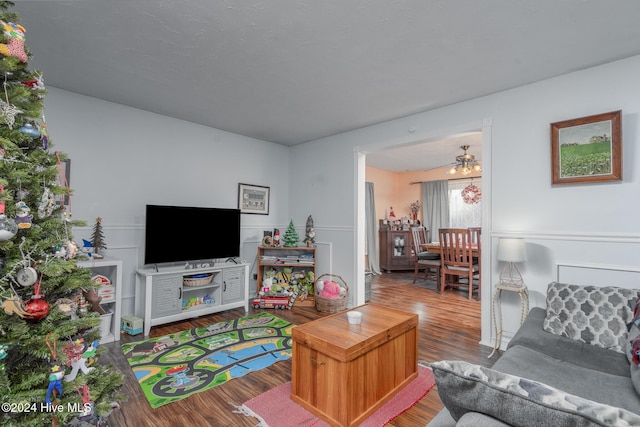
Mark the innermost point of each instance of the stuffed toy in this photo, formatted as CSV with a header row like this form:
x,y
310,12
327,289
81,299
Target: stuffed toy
x,y
330,290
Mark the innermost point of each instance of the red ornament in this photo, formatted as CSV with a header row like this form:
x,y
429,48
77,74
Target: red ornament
x,y
37,308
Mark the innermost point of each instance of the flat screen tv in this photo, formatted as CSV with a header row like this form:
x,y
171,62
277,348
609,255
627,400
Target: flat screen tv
x,y
182,233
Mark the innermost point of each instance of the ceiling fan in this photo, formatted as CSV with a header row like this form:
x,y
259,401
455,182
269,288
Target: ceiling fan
x,y
465,163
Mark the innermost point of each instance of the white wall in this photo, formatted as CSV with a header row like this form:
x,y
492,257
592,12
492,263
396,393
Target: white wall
x,y
587,223
124,158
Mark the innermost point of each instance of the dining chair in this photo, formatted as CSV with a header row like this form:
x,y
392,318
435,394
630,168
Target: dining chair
x,y
424,259
476,232
456,259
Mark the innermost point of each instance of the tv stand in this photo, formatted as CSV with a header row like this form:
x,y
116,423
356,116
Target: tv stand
x,y
163,295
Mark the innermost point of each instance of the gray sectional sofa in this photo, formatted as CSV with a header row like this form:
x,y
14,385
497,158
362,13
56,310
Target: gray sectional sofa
x,y
570,364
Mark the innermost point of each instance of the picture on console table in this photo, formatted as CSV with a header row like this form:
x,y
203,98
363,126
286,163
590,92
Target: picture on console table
x,y
253,199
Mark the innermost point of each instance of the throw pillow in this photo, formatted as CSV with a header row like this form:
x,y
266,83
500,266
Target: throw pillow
x,y
517,401
590,314
633,347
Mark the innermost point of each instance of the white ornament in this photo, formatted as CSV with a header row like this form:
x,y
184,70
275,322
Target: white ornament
x,y
47,203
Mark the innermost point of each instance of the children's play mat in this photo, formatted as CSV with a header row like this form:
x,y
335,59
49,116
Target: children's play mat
x,y
172,367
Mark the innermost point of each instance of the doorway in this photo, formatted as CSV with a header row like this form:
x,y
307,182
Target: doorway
x,y
485,126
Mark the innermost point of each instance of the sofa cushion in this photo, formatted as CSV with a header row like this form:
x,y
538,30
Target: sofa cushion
x,y
590,314
599,386
565,350
517,401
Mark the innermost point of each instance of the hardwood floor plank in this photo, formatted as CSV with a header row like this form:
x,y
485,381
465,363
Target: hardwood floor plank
x,y
449,328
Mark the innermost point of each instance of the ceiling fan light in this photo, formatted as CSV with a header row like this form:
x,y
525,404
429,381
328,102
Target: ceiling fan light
x,y
466,171
452,170
477,167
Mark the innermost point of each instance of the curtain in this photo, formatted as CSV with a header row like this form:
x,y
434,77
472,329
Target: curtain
x,y
435,199
461,214
371,226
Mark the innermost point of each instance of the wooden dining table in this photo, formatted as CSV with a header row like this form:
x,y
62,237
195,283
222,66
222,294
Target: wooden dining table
x,y
435,248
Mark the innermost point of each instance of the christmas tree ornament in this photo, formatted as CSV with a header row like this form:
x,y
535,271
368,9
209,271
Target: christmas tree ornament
x,y
15,45
290,236
36,83
68,307
23,215
56,374
77,354
66,250
3,355
47,204
27,276
276,237
14,305
82,305
44,135
8,227
30,130
92,297
8,111
37,307
88,405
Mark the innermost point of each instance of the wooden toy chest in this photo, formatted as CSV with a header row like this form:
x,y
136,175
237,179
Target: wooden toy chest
x,y
343,372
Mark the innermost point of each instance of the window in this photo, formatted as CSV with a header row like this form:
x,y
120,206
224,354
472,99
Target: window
x,y
461,214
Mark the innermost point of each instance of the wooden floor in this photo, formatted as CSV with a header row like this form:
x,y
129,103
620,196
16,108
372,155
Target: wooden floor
x,y
449,329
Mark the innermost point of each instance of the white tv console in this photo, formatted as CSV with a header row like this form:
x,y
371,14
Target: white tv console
x,y
162,297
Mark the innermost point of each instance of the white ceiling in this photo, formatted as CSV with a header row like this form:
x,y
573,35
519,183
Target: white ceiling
x,y
291,71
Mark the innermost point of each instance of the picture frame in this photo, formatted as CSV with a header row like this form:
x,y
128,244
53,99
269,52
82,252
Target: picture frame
x,y
253,199
587,149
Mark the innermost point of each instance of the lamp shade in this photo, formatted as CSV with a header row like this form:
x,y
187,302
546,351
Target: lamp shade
x,y
511,250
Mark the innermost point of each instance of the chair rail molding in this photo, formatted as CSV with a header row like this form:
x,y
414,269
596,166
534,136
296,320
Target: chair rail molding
x,y
616,237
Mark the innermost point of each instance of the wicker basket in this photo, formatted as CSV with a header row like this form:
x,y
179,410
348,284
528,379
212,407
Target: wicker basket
x,y
197,280
332,305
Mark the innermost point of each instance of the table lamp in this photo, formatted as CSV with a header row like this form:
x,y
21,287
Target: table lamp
x,y
511,251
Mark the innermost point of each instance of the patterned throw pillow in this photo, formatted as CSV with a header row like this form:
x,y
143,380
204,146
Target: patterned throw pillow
x,y
517,401
590,314
633,347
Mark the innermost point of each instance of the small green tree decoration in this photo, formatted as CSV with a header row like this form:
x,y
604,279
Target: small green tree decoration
x,y
291,236
97,238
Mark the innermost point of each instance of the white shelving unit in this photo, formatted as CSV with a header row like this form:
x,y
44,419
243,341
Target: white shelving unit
x,y
112,269
162,297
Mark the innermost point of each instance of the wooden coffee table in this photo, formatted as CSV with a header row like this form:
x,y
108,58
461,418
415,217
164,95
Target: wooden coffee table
x,y
342,373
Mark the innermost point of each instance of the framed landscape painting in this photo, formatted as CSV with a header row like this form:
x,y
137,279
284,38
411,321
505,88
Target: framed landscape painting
x,y
588,149
253,199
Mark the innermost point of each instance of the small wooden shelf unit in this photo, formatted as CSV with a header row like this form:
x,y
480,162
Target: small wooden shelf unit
x,y
278,257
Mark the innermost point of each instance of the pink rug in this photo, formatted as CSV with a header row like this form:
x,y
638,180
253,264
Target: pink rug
x,y
274,408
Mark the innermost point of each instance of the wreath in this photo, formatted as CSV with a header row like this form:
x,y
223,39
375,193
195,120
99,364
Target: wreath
x,y
471,194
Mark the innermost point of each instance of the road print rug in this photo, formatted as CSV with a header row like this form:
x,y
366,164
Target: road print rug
x,y
174,366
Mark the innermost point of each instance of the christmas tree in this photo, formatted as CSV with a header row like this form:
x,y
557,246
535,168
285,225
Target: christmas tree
x,y
290,236
42,334
97,238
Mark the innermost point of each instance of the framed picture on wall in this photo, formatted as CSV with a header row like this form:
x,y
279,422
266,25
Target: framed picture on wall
x,y
587,149
253,199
